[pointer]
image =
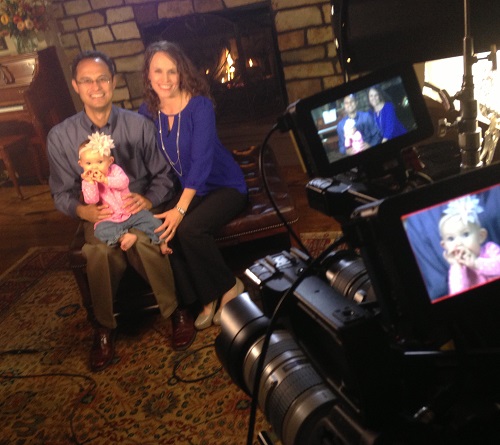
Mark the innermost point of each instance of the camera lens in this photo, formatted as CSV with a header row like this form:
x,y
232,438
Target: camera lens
x,y
242,324
347,274
292,394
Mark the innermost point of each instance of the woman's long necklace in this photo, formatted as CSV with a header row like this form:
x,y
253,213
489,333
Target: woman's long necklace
x,y
378,117
178,161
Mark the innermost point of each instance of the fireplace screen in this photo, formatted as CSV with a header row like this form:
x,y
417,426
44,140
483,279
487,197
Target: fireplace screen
x,y
238,53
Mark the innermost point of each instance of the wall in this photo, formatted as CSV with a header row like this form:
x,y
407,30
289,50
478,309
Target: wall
x,y
303,28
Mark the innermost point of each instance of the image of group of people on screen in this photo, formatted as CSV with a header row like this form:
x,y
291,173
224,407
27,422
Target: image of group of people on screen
x,y
366,119
456,243
359,130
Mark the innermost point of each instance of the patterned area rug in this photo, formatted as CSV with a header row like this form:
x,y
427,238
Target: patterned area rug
x,y
317,242
150,395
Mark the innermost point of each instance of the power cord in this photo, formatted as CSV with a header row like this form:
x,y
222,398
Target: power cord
x,y
79,401
279,126
84,398
199,379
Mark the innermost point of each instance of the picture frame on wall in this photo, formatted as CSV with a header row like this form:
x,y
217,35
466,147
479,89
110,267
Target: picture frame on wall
x,y
7,46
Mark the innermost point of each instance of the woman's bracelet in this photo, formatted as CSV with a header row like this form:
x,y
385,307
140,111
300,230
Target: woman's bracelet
x,y
181,211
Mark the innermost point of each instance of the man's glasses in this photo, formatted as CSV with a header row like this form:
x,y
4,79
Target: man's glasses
x,y
103,80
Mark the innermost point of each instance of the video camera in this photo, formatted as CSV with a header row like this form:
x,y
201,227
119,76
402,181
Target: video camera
x,y
393,339
388,163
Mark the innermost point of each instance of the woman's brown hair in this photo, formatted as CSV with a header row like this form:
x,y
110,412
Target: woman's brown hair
x,y
191,80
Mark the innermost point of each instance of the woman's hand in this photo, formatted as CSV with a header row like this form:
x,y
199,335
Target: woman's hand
x,y
172,218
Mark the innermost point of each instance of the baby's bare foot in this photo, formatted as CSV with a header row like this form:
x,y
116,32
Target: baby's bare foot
x,y
127,241
165,249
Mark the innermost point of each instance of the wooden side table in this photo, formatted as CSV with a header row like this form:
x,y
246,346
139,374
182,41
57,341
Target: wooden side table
x,y
17,142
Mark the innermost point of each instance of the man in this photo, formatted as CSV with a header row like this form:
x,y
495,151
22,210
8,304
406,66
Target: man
x,y
151,184
364,123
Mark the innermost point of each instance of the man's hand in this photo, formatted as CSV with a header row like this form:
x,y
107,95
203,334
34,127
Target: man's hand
x,y
135,203
93,212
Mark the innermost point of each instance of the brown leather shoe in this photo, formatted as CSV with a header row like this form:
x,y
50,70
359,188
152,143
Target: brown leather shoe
x,y
103,348
183,331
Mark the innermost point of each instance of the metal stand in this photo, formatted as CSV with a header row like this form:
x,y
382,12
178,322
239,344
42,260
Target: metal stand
x,y
469,134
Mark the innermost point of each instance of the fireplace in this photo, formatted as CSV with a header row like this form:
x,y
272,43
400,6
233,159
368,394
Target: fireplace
x,y
237,51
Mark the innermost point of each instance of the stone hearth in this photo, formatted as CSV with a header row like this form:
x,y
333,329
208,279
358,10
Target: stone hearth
x,y
302,29
238,52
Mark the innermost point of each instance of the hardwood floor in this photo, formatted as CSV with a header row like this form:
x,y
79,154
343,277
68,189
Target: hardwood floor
x,y
30,222
34,221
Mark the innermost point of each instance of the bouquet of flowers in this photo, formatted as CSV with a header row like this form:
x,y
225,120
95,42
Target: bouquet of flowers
x,y
22,19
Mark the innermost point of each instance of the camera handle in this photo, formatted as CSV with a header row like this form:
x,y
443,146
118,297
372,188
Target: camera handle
x,y
393,175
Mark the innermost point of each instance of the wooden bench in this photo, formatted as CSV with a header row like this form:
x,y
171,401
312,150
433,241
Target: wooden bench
x,y
259,221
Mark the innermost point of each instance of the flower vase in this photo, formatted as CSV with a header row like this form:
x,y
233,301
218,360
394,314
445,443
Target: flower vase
x,y
25,43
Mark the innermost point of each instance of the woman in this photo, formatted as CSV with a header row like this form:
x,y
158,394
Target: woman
x,y
385,115
213,189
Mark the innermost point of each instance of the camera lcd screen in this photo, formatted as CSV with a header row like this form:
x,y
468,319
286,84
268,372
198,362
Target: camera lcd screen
x,y
457,248
433,252
361,123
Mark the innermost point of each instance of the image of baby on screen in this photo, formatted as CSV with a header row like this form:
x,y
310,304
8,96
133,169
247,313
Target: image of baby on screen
x,y
472,259
353,138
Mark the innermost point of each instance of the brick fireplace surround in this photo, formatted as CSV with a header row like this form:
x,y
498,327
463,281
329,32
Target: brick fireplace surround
x,y
303,29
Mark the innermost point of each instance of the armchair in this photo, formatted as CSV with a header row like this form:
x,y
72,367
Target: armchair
x,y
257,222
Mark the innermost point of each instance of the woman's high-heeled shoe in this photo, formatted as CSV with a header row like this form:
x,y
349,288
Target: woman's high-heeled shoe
x,y
240,287
204,321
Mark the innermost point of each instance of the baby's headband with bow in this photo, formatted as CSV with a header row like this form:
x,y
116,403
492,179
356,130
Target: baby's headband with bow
x,y
99,143
467,208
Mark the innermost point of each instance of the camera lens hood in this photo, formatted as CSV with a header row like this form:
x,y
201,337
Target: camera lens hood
x,y
243,323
